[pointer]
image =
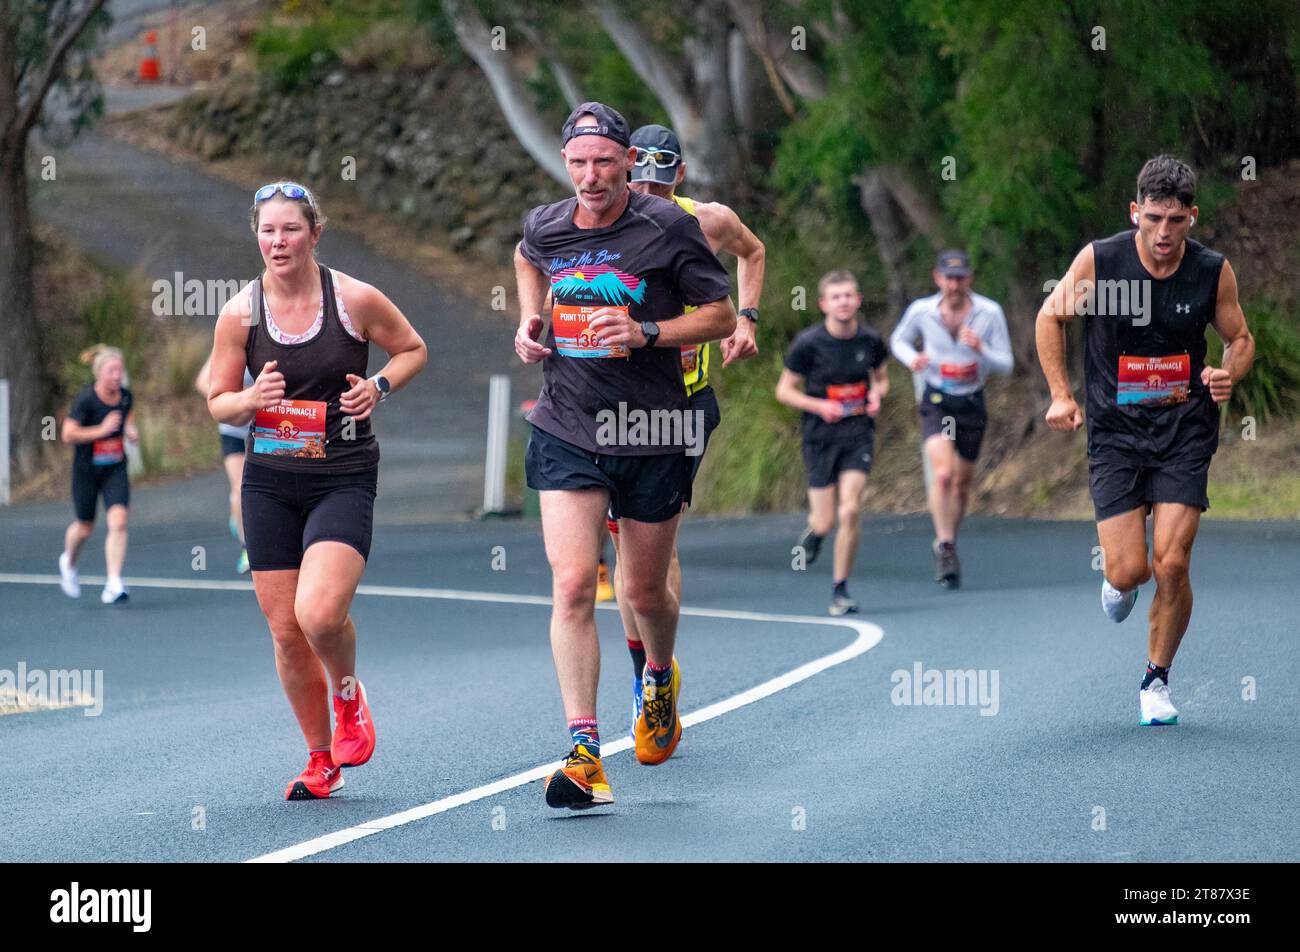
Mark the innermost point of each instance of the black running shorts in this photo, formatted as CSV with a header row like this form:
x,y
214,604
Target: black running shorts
x,y
230,445
960,419
1119,486
705,402
286,511
825,461
644,488
111,482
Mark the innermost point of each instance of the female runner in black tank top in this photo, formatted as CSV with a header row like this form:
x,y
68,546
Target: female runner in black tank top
x,y
303,332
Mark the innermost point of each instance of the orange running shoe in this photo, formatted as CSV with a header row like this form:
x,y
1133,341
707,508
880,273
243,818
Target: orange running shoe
x,y
317,781
354,731
658,729
580,783
604,590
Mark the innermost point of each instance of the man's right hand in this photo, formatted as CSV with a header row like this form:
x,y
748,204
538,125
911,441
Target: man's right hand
x,y
268,389
109,425
526,341
832,411
1064,415
920,362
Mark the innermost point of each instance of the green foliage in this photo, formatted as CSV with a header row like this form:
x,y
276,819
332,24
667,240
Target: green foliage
x,y
1272,388
607,77
110,317
292,53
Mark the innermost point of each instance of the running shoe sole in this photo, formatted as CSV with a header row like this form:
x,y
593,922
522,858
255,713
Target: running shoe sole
x,y
300,791
562,792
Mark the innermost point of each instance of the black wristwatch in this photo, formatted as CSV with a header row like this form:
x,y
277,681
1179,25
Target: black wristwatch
x,y
749,312
383,386
651,331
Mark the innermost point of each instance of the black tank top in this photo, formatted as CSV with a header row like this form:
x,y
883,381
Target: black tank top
x,y
292,436
1162,412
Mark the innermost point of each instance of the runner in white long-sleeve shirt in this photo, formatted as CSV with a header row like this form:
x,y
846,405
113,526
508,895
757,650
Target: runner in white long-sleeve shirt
x,y
963,336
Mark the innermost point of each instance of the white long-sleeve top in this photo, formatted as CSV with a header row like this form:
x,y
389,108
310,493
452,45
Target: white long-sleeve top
x,y
954,368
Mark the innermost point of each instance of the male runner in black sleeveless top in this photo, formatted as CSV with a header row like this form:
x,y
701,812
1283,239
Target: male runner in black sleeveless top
x,y
1152,401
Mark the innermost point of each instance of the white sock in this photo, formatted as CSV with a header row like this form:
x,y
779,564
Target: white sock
x,y
115,583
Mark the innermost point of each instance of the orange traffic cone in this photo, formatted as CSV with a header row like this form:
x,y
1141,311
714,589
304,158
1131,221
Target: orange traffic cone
x,y
149,65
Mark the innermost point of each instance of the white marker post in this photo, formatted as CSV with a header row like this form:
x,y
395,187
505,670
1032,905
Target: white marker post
x,y
4,442
498,433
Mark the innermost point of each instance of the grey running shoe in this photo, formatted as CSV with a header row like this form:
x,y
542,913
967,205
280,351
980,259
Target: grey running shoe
x,y
811,543
947,569
842,603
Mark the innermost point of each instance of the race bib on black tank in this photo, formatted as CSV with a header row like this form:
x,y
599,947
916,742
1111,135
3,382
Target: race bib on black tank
x,y
291,428
1153,381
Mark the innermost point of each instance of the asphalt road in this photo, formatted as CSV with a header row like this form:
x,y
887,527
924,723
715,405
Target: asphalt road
x,y
195,743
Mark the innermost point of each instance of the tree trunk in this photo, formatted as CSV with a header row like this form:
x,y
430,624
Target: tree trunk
x,y
20,360
878,203
537,136
700,112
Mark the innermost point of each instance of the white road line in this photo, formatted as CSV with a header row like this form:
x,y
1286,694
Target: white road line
x,y
868,636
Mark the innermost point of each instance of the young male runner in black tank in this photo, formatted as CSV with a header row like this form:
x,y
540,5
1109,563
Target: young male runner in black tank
x,y
840,364
1152,401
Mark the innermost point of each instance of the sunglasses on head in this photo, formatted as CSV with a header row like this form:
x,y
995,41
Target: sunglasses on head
x,y
662,158
290,190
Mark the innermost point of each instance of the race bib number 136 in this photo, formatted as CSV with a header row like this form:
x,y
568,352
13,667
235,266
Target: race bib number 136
x,y
572,336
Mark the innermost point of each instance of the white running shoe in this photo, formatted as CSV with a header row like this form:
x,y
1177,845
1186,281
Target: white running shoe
x,y
68,580
114,596
1157,708
1117,604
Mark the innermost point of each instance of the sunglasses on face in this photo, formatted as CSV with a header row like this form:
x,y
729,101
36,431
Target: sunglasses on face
x,y
662,158
290,190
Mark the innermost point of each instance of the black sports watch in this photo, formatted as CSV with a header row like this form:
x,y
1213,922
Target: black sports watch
x,y
384,387
749,312
651,331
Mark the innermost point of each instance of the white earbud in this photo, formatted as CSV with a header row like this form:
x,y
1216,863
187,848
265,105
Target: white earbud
x,y
1134,217
1193,221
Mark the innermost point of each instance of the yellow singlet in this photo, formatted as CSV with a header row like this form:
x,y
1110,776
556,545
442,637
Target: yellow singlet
x,y
695,357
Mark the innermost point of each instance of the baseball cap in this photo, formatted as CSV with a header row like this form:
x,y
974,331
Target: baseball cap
x,y
953,264
655,138
609,124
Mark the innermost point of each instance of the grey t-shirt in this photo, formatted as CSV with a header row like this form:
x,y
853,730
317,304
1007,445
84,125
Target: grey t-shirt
x,y
653,261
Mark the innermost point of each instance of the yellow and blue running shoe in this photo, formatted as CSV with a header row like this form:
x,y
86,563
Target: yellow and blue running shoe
x,y
580,783
658,729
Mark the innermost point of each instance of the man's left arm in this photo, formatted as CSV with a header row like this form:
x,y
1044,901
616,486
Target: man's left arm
x,y
724,229
708,322
879,388
994,345
1238,344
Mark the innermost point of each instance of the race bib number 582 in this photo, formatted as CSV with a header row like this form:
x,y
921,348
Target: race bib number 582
x,y
573,337
291,428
